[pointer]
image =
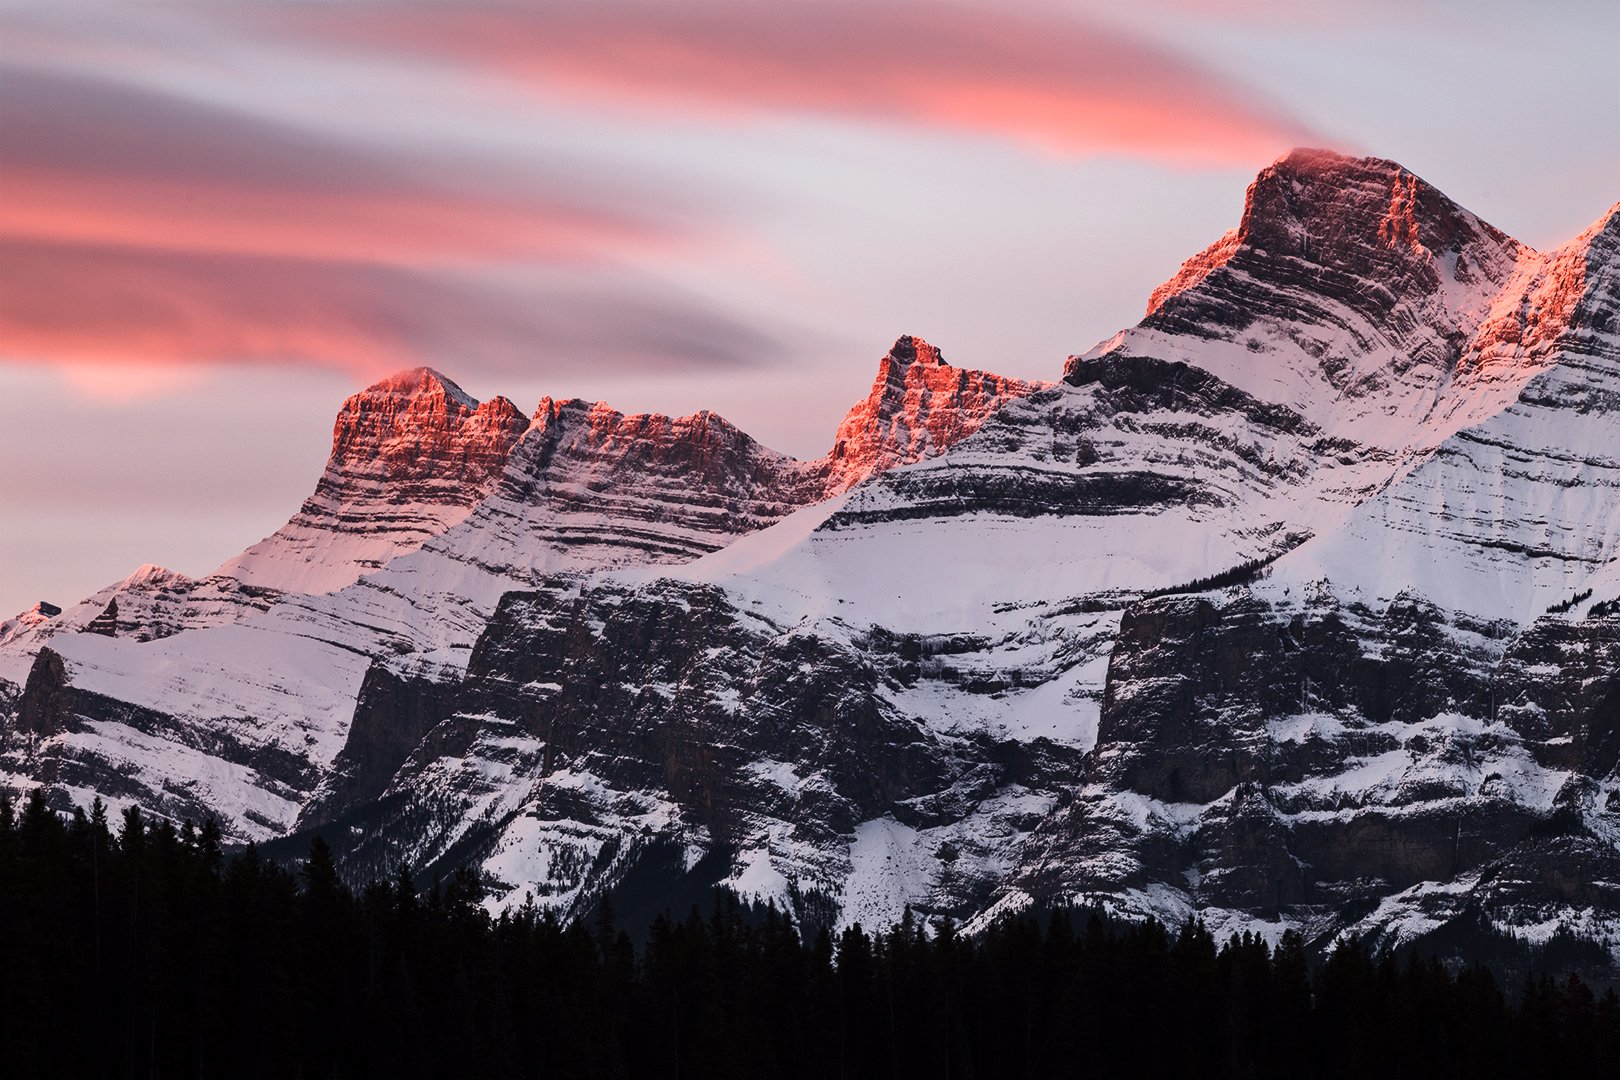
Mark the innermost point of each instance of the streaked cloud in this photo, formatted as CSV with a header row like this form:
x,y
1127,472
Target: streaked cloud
x,y
147,223
92,161
85,303
144,228
1058,80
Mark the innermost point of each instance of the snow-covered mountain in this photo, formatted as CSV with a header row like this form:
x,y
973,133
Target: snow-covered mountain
x,y
37,615
1292,604
411,457
232,694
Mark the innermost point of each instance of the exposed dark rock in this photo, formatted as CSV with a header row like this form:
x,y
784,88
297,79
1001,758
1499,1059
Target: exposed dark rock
x,y
392,716
1571,721
45,706
105,624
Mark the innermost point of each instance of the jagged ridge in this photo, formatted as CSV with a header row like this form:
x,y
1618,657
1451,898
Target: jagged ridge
x,y
961,685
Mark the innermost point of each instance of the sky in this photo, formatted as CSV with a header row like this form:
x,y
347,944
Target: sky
x,y
218,219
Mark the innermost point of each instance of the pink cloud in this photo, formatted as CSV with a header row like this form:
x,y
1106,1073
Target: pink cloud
x,y
1059,82
87,161
89,305
154,232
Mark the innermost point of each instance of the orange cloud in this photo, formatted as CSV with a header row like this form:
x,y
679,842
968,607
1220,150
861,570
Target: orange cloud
x,y
92,162
1056,81
154,232
384,226
89,305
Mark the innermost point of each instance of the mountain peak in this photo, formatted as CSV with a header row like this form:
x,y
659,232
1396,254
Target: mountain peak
x,y
414,406
421,382
918,406
151,575
1364,219
909,349
1335,204
411,455
24,621
1318,161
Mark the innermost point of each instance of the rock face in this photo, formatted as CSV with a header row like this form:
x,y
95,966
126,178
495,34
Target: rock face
x,y
591,486
37,615
1518,510
392,715
918,407
596,724
465,501
1301,760
105,624
411,456
1571,722
1295,605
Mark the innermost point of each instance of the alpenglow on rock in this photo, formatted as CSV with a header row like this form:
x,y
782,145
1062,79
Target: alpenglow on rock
x,y
1294,605
247,681
411,456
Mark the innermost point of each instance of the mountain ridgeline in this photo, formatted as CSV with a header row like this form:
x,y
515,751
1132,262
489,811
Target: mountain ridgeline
x,y
1294,607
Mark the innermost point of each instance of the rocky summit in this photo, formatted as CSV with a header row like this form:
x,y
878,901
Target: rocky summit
x,y
1295,605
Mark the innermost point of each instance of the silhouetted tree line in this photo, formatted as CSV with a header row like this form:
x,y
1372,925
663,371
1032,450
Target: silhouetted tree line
x,y
1569,602
146,952
1241,574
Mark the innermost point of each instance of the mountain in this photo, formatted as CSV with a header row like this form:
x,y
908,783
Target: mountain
x,y
1294,605
37,615
919,406
411,457
232,694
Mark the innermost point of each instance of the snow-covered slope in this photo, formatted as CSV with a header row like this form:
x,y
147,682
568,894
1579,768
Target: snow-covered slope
x,y
1519,510
265,659
411,456
960,621
1248,615
25,621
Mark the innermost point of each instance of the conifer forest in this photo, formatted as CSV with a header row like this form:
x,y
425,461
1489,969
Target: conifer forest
x,y
139,949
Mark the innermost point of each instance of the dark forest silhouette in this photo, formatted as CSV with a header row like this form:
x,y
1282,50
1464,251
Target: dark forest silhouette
x,y
147,951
